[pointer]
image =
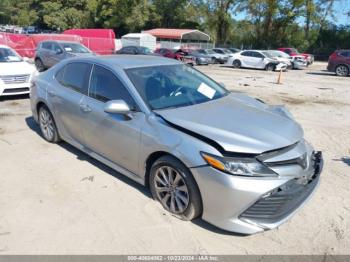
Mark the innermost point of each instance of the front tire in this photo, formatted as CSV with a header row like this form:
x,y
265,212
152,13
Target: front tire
x,y
39,65
270,67
341,70
236,63
47,125
173,185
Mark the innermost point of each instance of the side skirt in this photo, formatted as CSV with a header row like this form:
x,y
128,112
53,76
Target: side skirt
x,y
105,161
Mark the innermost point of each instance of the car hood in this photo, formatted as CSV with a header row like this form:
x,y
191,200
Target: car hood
x,y
238,123
16,68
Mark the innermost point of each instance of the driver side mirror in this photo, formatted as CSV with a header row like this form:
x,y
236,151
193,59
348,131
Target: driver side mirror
x,y
117,107
58,51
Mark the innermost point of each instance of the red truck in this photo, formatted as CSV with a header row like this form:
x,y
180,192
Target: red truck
x,y
294,52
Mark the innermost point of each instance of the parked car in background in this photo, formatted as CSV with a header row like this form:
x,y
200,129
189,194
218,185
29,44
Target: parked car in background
x,y
339,62
293,62
294,52
15,73
216,57
165,126
49,53
234,50
177,54
255,59
200,58
135,50
223,51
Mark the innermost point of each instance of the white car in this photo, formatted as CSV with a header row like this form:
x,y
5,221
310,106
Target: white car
x,y
255,59
15,73
294,62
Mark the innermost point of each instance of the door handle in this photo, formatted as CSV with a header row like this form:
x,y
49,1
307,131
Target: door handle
x,y
85,108
51,93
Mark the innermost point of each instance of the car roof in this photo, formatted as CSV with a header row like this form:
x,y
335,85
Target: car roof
x,y
61,42
129,61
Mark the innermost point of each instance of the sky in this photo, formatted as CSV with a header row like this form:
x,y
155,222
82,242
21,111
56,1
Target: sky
x,y
341,8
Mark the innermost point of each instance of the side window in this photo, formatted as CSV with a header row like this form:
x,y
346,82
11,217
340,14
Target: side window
x,y
257,55
47,45
288,51
246,53
55,47
345,54
59,76
105,86
75,76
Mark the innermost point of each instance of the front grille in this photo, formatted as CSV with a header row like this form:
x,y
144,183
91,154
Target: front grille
x,y
16,90
15,79
282,201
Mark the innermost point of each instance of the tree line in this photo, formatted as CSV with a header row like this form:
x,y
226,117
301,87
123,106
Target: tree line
x,y
259,23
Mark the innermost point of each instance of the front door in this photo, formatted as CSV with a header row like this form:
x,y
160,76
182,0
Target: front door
x,y
113,136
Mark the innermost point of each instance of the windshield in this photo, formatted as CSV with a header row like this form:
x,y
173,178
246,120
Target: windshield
x,y
174,86
8,55
293,50
210,51
75,48
268,54
278,54
145,50
227,51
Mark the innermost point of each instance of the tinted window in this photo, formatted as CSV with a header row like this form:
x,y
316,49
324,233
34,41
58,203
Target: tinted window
x,y
105,86
257,55
345,53
127,50
75,76
47,45
246,53
55,47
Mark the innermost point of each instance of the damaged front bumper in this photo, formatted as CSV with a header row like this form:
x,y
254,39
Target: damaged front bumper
x,y
250,205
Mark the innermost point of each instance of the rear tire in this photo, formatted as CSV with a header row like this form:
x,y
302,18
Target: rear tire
x,y
47,125
342,70
173,185
39,65
236,63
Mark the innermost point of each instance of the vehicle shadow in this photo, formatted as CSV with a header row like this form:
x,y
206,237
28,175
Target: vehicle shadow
x,y
325,73
345,160
10,98
144,190
85,157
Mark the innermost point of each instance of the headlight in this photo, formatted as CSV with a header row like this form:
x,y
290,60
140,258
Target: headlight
x,y
239,166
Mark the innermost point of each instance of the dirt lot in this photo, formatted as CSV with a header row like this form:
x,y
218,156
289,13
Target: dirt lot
x,y
56,200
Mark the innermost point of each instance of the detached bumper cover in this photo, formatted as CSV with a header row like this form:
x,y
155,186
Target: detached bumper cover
x,y
250,205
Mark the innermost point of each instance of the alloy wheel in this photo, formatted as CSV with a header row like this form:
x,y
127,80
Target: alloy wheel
x,y
46,125
171,189
342,70
39,65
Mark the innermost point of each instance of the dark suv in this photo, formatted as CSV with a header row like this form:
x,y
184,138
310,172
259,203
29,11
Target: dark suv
x,y
339,62
49,53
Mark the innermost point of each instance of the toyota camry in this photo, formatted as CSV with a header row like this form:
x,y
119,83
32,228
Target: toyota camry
x,y
238,163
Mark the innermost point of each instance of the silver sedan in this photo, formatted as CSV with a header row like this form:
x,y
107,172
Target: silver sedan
x,y
237,162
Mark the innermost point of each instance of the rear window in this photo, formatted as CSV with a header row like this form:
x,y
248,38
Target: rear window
x,y
75,76
345,53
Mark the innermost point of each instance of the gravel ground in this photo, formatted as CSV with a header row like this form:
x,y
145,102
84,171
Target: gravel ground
x,y
57,200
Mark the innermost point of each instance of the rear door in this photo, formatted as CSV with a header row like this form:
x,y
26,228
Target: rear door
x,y
257,60
45,53
246,59
66,96
116,137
